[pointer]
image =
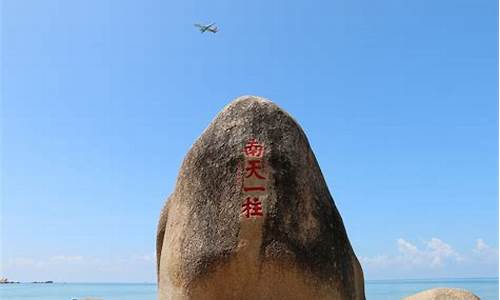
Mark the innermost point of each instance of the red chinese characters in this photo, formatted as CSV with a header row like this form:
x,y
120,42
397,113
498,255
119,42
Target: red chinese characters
x,y
253,167
253,149
252,207
253,188
254,179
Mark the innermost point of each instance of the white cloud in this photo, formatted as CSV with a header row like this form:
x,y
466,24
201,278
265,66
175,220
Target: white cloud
x,y
481,246
407,248
435,254
433,257
63,258
438,251
146,258
32,263
484,253
21,262
67,268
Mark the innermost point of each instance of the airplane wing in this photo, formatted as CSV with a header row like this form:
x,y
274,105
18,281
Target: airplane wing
x,y
204,28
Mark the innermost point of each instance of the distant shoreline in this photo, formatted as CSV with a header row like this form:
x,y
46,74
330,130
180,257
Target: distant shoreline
x,y
34,282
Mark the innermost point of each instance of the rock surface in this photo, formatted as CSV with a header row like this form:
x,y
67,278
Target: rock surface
x,y
443,294
208,248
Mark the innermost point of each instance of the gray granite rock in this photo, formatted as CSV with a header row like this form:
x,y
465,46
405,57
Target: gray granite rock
x,y
293,244
443,294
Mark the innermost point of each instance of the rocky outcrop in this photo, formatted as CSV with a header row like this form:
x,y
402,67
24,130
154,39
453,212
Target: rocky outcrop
x,y
443,294
251,216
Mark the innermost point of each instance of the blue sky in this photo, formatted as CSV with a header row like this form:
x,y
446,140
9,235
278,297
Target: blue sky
x,y
102,99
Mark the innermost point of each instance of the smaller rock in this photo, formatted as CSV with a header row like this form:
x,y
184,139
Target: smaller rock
x,y
443,294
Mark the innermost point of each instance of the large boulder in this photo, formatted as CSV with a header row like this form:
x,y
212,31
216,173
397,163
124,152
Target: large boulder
x,y
251,216
443,294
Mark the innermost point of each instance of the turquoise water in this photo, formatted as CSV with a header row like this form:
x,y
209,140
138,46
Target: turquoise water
x,y
68,291
486,289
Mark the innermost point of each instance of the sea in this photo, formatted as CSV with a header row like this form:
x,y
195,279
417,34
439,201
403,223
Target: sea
x,y
485,288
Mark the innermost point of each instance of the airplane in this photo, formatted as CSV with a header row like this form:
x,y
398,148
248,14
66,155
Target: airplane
x,y
209,27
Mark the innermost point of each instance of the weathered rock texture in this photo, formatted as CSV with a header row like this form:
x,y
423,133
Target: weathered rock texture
x,y
443,294
298,249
